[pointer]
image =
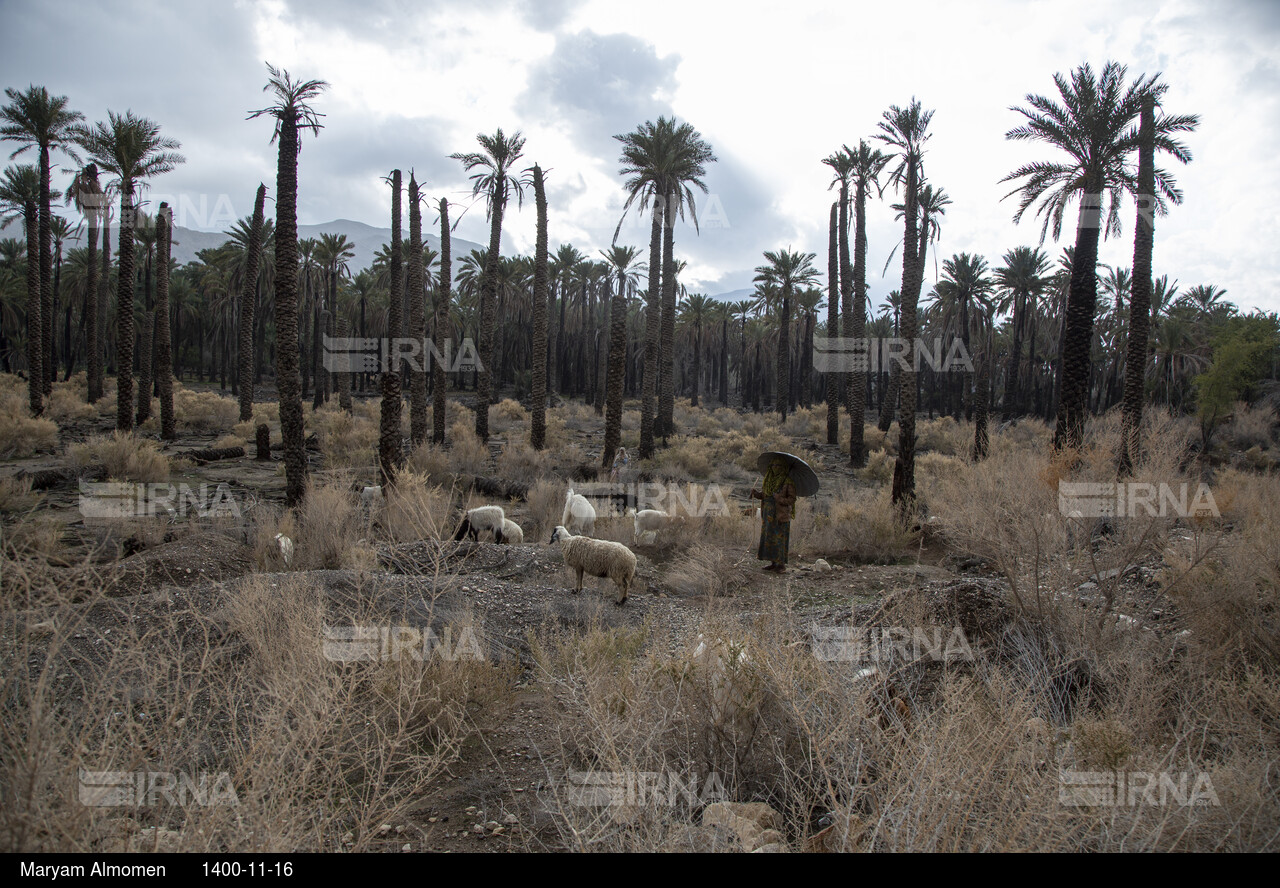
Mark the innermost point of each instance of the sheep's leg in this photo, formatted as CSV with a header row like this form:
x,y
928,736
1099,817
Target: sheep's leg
x,y
579,586
622,593
497,536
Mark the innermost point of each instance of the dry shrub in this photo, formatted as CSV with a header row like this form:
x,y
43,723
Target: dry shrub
x,y
16,495
332,532
232,440
807,422
427,459
124,456
546,506
1252,427
705,570
415,508
519,461
943,435
685,458
468,455
879,466
574,415
347,440
201,412
67,403
265,521
506,414
859,524
22,435
317,753
631,420
34,536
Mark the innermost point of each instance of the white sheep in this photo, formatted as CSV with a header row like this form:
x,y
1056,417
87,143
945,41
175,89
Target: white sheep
x,y
579,516
724,667
599,558
482,519
647,523
512,535
370,495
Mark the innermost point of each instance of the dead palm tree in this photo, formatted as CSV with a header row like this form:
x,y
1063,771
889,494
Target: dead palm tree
x,y
132,149
417,287
248,302
495,181
292,111
538,425
163,337
440,332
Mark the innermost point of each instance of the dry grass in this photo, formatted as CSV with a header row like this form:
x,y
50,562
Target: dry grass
x,y
416,508
125,457
519,461
857,524
347,440
22,435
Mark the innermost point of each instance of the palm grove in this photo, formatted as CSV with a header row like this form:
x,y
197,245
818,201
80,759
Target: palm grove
x,y
1045,336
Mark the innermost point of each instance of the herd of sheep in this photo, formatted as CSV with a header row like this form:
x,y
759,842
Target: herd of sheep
x,y
582,553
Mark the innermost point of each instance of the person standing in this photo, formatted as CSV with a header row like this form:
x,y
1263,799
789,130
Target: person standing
x,y
777,508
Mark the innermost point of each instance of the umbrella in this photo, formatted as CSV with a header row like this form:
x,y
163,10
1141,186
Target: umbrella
x,y
802,475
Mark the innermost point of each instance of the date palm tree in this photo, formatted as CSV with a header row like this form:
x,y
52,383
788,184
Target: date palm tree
x,y
1093,124
389,380
1021,279
163,335
131,149
20,196
906,130
621,261
495,181
35,119
662,161
833,319
292,111
788,271
867,164
88,197
696,311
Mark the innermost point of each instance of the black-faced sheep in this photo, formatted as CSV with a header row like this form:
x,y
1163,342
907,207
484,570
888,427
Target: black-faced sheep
x,y
482,519
579,516
599,558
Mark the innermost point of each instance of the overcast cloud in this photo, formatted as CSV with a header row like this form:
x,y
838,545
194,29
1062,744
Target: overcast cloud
x,y
773,88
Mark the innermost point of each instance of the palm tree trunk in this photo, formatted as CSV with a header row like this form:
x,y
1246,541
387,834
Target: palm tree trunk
x,y
288,377
784,356
104,287
48,371
417,320
35,353
389,430
904,469
1015,357
858,379
1139,294
833,319
982,398
439,384
617,372
1077,337
538,420
248,294
164,344
488,311
653,312
124,314
667,349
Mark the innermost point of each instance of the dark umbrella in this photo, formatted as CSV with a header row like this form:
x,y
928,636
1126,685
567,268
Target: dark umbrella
x,y
802,475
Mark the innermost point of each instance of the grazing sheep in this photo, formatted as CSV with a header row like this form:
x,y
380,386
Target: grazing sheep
x,y
724,665
647,523
579,515
512,535
286,548
482,519
599,558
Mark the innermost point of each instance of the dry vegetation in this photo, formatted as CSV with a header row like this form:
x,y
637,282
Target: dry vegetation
x,y
1137,645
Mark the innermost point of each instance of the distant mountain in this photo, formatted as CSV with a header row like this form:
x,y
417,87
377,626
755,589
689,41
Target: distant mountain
x,y
366,240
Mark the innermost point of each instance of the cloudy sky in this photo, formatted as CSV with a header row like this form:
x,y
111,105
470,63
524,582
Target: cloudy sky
x,y
773,87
